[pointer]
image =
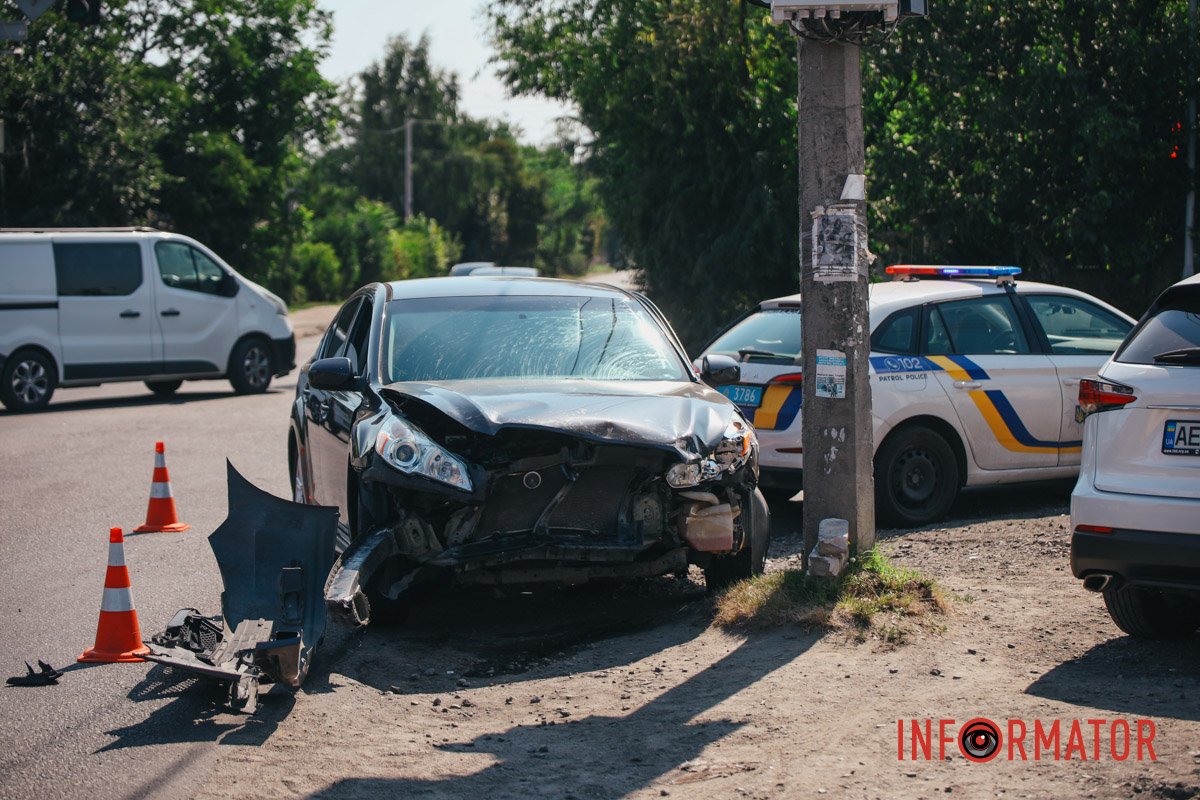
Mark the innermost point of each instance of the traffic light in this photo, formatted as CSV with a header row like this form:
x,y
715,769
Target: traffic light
x,y
85,12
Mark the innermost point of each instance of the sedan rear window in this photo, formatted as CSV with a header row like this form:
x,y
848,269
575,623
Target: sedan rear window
x,y
1170,334
769,334
470,338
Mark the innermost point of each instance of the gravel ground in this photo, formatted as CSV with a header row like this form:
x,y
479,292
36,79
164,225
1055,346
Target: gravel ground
x,y
627,691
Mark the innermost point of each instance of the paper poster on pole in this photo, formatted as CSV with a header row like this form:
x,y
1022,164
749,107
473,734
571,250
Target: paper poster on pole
x,y
835,247
831,374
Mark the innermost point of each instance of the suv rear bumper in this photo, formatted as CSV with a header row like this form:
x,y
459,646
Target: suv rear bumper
x,y
1151,558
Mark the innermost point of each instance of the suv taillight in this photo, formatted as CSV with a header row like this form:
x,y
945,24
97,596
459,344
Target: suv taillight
x,y
791,377
1096,396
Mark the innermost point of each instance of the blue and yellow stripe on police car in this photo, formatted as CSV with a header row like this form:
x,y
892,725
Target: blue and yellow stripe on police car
x,y
1001,418
780,404
1008,429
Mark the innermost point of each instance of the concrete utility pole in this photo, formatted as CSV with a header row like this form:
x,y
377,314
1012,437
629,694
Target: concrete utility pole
x,y
836,427
836,423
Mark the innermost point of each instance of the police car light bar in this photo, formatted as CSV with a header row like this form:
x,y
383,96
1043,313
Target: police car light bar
x,y
916,270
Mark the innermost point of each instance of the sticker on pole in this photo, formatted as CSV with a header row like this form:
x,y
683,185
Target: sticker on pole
x,y
835,245
831,374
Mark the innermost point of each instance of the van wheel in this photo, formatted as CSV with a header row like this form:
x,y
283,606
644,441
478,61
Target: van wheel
x,y
164,388
916,477
28,382
250,367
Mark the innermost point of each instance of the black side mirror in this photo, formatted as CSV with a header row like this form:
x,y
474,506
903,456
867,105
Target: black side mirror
x,y
718,370
228,287
332,373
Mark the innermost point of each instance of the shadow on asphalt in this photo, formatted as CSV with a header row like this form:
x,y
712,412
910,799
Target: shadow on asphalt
x,y
196,712
602,755
1130,676
137,401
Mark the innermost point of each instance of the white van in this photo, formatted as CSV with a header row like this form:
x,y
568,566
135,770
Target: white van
x,y
81,307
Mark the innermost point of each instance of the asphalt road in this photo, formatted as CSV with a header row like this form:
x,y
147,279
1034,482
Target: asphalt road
x,y
66,476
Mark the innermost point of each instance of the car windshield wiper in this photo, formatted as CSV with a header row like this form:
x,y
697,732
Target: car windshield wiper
x,y
750,351
1182,354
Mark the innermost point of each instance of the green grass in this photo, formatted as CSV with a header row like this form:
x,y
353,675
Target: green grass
x,y
870,588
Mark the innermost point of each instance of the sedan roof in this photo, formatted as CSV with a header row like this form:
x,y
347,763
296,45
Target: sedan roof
x,y
471,286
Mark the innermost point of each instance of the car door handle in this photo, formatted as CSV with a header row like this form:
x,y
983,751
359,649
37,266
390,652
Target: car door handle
x,y
129,313
967,384
171,312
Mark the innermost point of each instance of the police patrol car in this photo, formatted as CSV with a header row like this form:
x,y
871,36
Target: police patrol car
x,y
974,375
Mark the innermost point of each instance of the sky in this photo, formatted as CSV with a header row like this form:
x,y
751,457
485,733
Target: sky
x,y
458,41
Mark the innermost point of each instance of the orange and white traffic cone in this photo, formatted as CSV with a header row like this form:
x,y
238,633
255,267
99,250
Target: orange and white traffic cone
x,y
161,514
118,636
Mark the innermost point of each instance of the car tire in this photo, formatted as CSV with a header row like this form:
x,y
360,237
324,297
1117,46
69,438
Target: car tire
x,y
28,382
1148,613
164,388
251,366
916,477
723,571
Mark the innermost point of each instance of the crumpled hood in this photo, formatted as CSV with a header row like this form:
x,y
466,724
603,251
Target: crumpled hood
x,y
686,418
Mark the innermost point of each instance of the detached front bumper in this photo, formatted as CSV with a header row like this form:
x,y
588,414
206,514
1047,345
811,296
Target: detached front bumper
x,y
1148,558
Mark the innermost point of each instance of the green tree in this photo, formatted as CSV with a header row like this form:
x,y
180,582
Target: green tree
x,y
79,150
692,103
468,174
1033,132
240,96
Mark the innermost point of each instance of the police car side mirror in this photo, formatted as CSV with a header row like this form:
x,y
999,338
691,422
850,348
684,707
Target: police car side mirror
x,y
719,370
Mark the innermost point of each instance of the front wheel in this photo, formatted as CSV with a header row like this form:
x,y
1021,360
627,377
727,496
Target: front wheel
x,y
251,367
723,571
28,382
1151,614
916,477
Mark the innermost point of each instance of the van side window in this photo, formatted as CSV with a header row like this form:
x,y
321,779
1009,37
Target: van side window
x,y
97,270
184,267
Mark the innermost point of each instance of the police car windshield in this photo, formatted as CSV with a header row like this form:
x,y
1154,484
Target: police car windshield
x,y
770,334
471,338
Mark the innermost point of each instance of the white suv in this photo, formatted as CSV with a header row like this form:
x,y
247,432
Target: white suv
x,y
973,381
1135,512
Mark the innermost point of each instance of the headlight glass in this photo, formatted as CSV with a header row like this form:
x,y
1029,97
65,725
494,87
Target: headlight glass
x,y
730,454
409,450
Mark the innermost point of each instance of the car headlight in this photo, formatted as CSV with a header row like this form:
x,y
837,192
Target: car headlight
x,y
730,454
409,450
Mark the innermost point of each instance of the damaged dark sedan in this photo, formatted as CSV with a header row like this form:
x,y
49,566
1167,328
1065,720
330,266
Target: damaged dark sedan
x,y
519,431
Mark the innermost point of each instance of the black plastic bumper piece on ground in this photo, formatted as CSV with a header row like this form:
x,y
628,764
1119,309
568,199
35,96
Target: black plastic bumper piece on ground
x,y
1149,558
285,355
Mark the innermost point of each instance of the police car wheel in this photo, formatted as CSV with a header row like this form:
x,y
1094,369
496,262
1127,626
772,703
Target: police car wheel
x,y
916,477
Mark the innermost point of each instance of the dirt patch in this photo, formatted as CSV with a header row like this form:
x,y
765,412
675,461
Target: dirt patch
x,y
630,692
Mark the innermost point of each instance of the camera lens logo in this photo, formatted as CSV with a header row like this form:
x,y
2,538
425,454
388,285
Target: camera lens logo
x,y
979,740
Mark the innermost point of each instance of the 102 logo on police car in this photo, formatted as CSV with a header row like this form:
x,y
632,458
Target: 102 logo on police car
x,y
1181,437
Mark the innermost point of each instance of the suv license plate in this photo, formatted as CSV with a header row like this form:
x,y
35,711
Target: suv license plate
x,y
1181,437
743,395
